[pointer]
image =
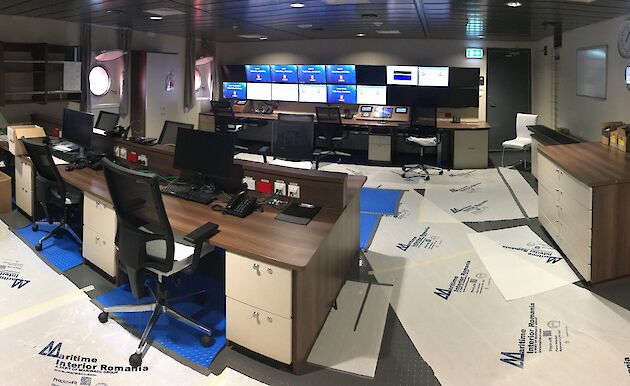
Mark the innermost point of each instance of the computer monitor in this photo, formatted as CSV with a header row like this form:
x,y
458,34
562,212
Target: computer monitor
x,y
206,153
433,76
107,121
77,127
383,112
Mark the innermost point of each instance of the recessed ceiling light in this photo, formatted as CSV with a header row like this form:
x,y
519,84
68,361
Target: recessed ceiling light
x,y
164,12
481,36
297,5
360,35
305,25
388,32
263,38
513,4
156,17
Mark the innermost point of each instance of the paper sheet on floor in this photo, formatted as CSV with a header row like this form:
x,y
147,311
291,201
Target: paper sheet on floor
x,y
231,377
523,191
347,344
69,344
378,177
250,157
464,329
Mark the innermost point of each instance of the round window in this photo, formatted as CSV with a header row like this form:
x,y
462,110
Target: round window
x,y
100,82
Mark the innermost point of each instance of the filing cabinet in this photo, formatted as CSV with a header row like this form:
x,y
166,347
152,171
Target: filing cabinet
x,y
99,232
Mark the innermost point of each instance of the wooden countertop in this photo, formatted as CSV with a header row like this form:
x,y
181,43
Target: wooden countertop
x,y
593,163
443,123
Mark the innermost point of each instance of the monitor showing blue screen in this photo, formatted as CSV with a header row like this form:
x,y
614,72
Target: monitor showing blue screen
x,y
258,73
342,94
341,74
235,90
312,73
284,73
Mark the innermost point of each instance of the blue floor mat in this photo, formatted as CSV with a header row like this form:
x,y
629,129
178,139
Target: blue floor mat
x,y
62,252
380,201
172,334
369,223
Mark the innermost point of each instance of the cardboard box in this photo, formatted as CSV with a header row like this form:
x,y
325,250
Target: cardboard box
x,y
14,133
606,129
6,204
622,138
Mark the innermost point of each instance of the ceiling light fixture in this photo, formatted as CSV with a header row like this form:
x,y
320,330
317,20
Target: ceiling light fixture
x,y
513,4
156,17
360,35
481,36
263,38
305,25
297,5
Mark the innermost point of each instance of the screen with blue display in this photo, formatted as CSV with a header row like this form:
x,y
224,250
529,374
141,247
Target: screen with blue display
x,y
258,73
341,74
284,73
235,90
312,73
342,94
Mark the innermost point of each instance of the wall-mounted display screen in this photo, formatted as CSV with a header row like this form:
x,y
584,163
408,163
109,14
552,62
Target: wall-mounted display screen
x,y
372,75
259,91
284,73
342,94
259,73
312,73
433,76
341,74
233,73
463,77
284,92
402,75
235,90
383,112
313,93
371,95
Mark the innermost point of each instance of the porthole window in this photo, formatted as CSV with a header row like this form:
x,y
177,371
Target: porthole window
x,y
197,80
100,82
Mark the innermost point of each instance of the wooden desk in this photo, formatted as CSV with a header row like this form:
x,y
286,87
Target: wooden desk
x,y
447,124
470,143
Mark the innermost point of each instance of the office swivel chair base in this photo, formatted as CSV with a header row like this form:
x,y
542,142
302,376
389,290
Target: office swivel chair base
x,y
422,171
60,226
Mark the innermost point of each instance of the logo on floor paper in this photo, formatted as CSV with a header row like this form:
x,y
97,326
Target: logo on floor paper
x,y
477,208
10,271
424,241
465,283
538,249
467,189
626,361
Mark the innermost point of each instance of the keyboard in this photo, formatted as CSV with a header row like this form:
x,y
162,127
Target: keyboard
x,y
203,196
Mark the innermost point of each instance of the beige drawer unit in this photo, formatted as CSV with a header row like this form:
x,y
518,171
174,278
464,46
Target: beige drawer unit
x,y
380,148
24,185
99,251
99,216
99,233
470,149
258,330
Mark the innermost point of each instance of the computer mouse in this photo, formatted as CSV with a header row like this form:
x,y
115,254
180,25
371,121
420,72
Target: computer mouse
x,y
69,168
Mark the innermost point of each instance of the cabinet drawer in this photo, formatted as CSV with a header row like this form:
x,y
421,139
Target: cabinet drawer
x,y
548,203
258,284
24,200
582,266
551,227
99,251
548,173
579,244
571,187
99,216
380,140
573,213
258,330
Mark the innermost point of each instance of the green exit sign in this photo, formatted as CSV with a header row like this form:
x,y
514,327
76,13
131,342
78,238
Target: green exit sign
x,y
474,53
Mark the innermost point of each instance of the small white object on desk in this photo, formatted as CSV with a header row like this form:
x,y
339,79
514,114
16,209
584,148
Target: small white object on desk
x,y
59,161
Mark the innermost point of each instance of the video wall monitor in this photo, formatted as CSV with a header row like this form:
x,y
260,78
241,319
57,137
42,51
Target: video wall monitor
x,y
402,95
258,73
372,75
628,76
284,73
312,93
341,74
402,75
383,112
235,90
342,94
433,76
259,91
463,77
371,95
284,92
233,73
312,73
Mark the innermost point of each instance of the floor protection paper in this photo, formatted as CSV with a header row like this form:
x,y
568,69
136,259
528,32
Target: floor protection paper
x,y
231,377
522,190
378,177
350,340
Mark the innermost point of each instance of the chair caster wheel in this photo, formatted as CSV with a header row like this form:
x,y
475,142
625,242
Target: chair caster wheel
x,y
38,246
427,178
35,227
103,317
135,360
441,172
201,298
207,340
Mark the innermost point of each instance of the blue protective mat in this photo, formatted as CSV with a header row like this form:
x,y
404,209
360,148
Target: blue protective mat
x,y
174,335
369,223
381,201
62,252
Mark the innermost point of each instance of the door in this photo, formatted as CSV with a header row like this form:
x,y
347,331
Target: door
x,y
509,92
164,86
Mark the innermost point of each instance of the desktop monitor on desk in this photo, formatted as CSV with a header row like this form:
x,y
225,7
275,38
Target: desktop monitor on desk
x,y
77,128
208,154
106,121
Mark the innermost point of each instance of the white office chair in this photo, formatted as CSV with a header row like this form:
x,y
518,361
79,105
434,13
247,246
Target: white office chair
x,y
523,140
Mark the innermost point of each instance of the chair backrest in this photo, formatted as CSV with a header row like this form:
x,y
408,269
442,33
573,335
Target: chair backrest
x,y
329,122
141,220
169,131
522,121
294,137
423,121
223,114
43,162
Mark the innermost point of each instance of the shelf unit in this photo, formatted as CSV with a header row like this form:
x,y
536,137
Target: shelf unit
x,y
34,73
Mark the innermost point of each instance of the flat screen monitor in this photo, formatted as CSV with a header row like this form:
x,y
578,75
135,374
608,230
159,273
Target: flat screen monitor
x,y
382,112
233,73
402,75
341,74
342,94
371,95
259,91
372,75
284,92
77,127
235,90
433,76
312,73
259,73
402,95
463,77
203,152
313,93
284,73
107,121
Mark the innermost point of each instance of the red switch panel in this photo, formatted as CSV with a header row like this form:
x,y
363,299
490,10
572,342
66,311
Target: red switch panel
x,y
264,187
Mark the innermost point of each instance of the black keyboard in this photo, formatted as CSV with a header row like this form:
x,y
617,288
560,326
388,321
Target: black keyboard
x,y
201,196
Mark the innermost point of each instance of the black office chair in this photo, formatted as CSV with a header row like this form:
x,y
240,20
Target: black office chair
x,y
331,131
422,132
146,245
52,192
168,136
293,138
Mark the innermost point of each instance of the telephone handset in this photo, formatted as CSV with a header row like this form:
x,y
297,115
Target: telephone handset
x,y
241,205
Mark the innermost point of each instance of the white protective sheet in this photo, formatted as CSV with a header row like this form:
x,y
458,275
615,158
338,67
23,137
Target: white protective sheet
x,y
378,177
305,165
524,193
231,377
339,345
464,329
250,157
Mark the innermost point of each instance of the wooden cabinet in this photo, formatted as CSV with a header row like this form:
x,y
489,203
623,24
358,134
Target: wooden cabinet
x,y
470,149
99,232
24,185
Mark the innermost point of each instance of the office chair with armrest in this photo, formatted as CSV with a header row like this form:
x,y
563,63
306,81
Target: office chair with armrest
x,y
422,132
294,138
523,140
146,246
168,136
330,129
52,192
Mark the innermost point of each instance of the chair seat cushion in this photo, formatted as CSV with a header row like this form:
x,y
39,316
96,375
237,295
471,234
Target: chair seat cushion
x,y
517,143
183,256
430,141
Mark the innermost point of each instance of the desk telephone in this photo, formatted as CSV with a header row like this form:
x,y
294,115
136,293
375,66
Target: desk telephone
x,y
263,110
241,205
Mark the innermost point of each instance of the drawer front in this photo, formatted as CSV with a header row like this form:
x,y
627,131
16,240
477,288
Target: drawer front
x,y
548,203
378,152
24,200
551,227
23,174
258,330
258,284
573,213
548,173
571,187
99,216
580,242
99,251
380,140
583,266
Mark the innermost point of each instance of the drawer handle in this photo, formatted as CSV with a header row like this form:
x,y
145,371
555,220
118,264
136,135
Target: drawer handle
x,y
256,267
269,319
98,203
270,271
98,238
256,314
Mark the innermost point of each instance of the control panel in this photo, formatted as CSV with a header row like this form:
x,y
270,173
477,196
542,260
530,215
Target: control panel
x,y
384,113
